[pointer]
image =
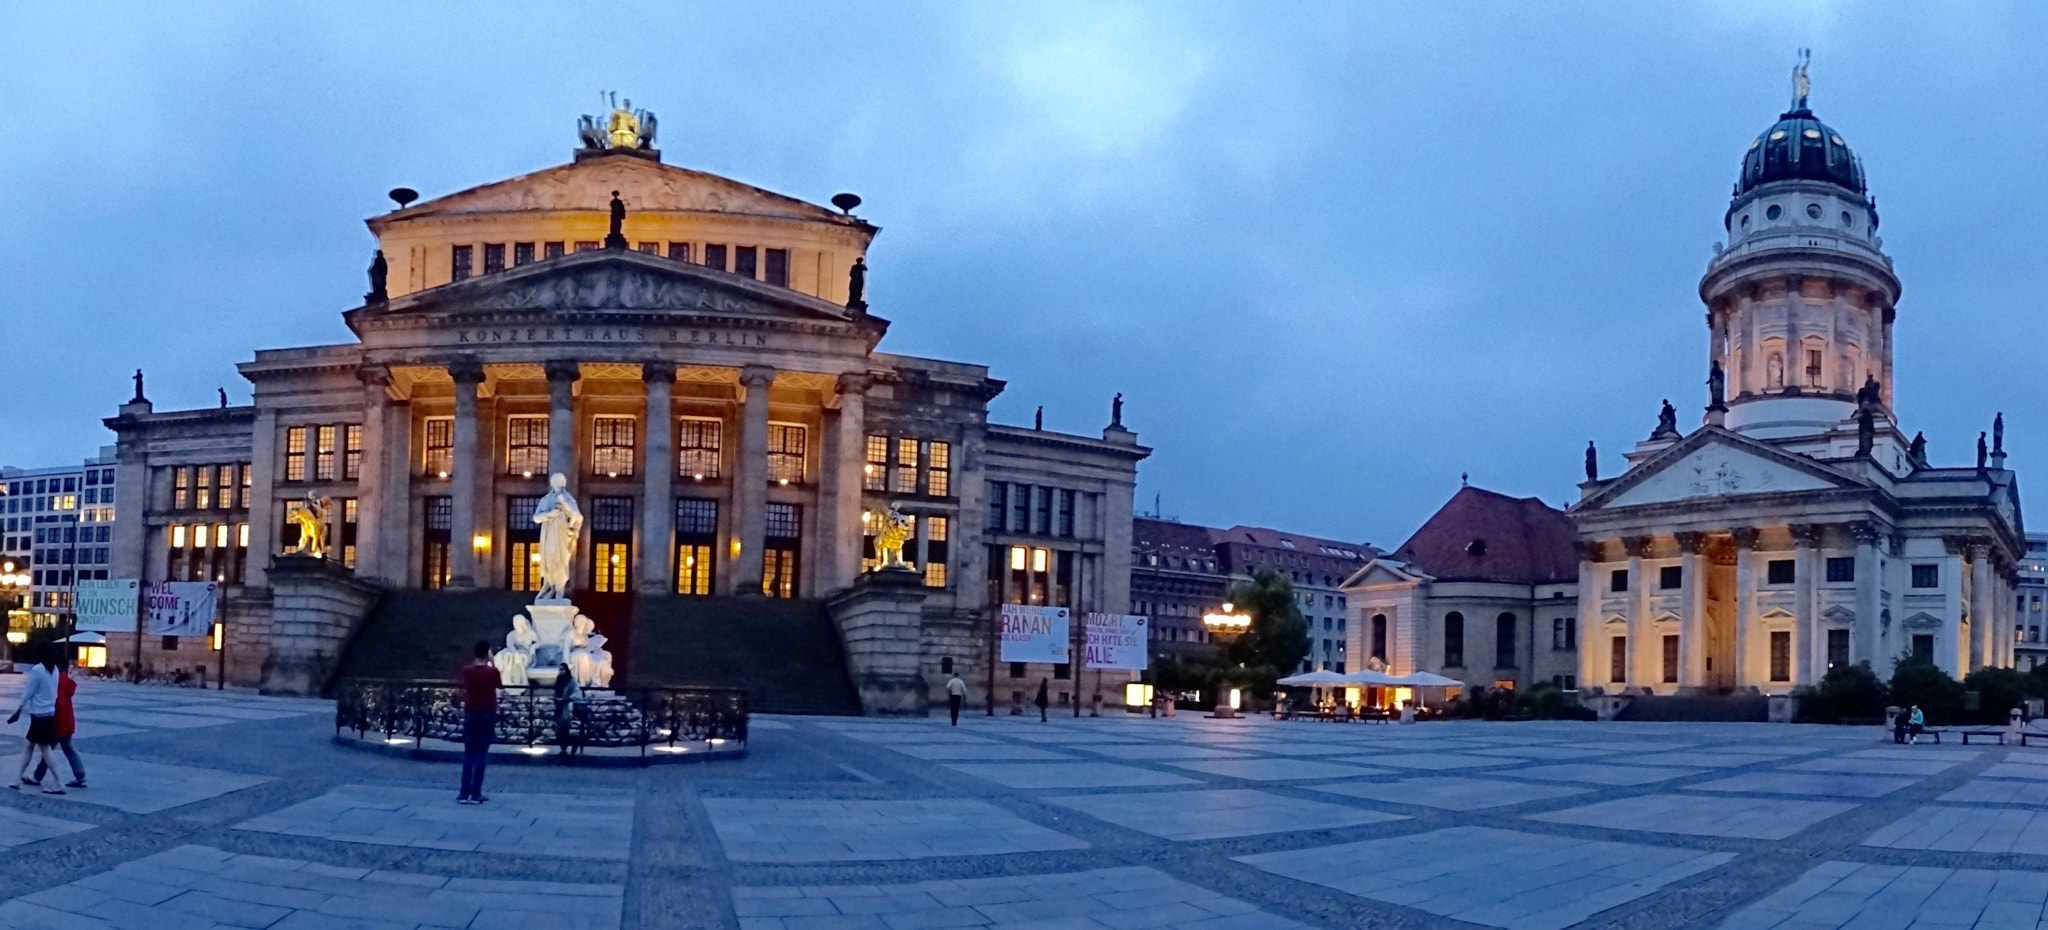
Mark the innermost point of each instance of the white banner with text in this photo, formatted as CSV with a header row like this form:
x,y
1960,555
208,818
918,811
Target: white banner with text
x,y
183,608
1116,641
1035,634
106,606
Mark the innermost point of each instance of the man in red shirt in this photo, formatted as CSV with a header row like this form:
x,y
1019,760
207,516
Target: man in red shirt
x,y
479,684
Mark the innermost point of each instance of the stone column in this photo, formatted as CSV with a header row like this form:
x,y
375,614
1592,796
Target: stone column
x,y
1806,625
1983,611
1692,641
750,480
1638,610
1745,601
658,474
370,474
1863,638
1951,651
839,527
1589,619
465,476
394,506
562,376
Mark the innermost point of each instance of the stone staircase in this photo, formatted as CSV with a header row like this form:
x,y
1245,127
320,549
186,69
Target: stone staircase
x,y
785,653
428,634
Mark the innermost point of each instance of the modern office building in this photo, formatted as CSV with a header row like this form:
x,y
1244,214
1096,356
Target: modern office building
x,y
58,526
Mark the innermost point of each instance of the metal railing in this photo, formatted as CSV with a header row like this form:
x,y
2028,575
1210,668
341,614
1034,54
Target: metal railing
x,y
531,716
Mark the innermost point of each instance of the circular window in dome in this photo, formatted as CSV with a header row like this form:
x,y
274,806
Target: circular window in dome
x,y
1745,221
1812,134
1837,140
1813,210
1756,143
1848,220
1774,212
1780,134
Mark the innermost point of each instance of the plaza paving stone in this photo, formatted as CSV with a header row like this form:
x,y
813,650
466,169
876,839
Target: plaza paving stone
x,y
1069,775
1750,818
586,826
1009,822
1853,894
1111,899
1968,829
1450,792
776,830
1501,878
1208,815
1805,783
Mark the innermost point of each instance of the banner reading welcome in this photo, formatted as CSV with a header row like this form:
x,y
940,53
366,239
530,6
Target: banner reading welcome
x,y
1035,634
183,608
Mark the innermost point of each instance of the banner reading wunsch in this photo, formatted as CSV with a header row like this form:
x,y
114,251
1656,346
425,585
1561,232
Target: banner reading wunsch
x,y
1035,634
106,606
1116,641
183,608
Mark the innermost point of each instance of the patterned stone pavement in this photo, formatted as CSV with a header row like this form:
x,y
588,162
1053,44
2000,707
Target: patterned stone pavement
x,y
211,810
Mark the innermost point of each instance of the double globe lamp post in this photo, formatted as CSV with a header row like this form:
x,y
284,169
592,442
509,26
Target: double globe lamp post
x,y
1225,626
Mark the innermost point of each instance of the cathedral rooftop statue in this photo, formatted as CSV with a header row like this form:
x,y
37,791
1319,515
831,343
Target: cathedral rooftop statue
x,y
1799,145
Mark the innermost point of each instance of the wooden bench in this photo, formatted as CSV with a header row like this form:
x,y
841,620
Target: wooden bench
x,y
1997,734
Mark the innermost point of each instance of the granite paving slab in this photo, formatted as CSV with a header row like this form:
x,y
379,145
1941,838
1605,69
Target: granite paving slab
x,y
1499,878
1967,829
567,825
1748,818
1999,791
21,827
1874,766
803,830
1839,895
1433,761
1808,783
147,787
1214,814
993,752
1276,769
1155,752
1601,774
1449,792
1068,774
1700,758
2016,770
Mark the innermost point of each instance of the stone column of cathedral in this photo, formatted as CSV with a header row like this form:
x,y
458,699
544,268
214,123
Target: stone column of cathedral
x,y
2012,619
1692,626
658,505
1863,638
1641,659
1806,622
370,474
750,480
1983,611
1589,620
562,376
466,474
1951,649
1745,602
841,479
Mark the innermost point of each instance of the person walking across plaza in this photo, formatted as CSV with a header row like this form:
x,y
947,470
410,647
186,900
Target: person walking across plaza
x,y
1041,700
67,724
479,683
39,699
956,692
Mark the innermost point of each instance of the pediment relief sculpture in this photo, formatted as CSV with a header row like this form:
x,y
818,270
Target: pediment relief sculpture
x,y
1922,621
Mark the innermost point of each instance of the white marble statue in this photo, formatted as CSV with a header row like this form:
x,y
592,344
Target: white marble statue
x,y
591,664
561,524
513,660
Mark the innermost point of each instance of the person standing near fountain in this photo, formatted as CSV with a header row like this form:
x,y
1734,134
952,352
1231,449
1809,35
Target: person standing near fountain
x,y
479,683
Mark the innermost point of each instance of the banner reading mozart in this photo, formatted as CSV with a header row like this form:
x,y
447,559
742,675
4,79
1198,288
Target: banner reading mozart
x,y
106,606
1116,641
1035,634
183,608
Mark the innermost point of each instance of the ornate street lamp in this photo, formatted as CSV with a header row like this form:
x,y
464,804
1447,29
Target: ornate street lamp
x,y
14,583
1226,626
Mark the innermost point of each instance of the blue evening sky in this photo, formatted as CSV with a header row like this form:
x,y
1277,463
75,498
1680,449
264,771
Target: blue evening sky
x,y
1332,254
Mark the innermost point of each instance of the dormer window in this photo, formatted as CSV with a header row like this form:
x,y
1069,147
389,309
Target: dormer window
x,y
1476,548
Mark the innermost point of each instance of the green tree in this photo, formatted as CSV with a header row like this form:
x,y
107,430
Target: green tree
x,y
1278,638
1999,690
1918,682
1847,692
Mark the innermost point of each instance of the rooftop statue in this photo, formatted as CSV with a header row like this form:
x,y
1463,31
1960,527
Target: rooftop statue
x,y
1800,85
624,128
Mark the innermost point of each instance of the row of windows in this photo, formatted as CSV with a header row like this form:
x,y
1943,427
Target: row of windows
x,y
1031,575
1839,570
928,547
65,484
61,578
1503,640
747,261
1029,509
905,465
207,552
67,555
210,487
346,438
51,502
613,441
1780,658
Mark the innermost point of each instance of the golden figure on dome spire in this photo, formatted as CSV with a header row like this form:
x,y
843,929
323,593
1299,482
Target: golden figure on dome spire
x,y
1800,85
626,128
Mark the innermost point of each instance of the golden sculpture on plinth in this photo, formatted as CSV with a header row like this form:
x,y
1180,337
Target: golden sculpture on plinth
x,y
892,529
625,128
310,515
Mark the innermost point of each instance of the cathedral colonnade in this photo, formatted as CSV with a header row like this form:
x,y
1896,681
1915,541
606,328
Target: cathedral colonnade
x,y
1772,608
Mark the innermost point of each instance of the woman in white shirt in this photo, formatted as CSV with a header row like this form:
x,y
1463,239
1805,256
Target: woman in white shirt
x,y
39,699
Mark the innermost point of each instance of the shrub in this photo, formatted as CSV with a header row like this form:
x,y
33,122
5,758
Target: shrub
x,y
1545,701
1847,692
1999,690
1919,682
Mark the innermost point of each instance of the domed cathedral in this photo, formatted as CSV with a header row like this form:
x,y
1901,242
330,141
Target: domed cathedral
x,y
697,359
1796,529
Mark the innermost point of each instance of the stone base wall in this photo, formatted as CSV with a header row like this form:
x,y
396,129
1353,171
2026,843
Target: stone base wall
x,y
315,607
880,622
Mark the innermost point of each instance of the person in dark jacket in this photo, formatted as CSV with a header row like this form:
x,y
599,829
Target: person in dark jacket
x,y
1043,683
479,685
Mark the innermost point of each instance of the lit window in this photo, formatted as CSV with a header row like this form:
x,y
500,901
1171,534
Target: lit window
x,y
875,476
526,445
440,447
294,454
225,498
202,488
697,444
612,441
939,469
936,550
323,453
181,488
242,499
351,451
906,466
785,453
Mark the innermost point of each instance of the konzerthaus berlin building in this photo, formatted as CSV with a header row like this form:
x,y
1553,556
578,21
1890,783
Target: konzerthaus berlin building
x,y
705,372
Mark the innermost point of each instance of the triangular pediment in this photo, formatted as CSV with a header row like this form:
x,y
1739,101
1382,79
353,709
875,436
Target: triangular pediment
x,y
1382,572
646,185
1716,463
619,280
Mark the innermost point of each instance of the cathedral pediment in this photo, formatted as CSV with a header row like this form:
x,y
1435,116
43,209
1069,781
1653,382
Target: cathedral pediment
x,y
1715,463
610,281
1380,573
649,186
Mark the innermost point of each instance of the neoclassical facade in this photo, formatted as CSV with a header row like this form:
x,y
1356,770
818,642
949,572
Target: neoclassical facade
x,y
1797,528
697,357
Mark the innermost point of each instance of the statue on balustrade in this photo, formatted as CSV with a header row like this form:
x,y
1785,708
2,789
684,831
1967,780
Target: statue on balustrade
x,y
892,530
310,515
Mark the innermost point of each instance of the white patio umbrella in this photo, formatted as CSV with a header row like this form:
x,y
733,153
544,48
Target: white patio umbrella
x,y
1317,678
85,639
1427,680
1366,676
